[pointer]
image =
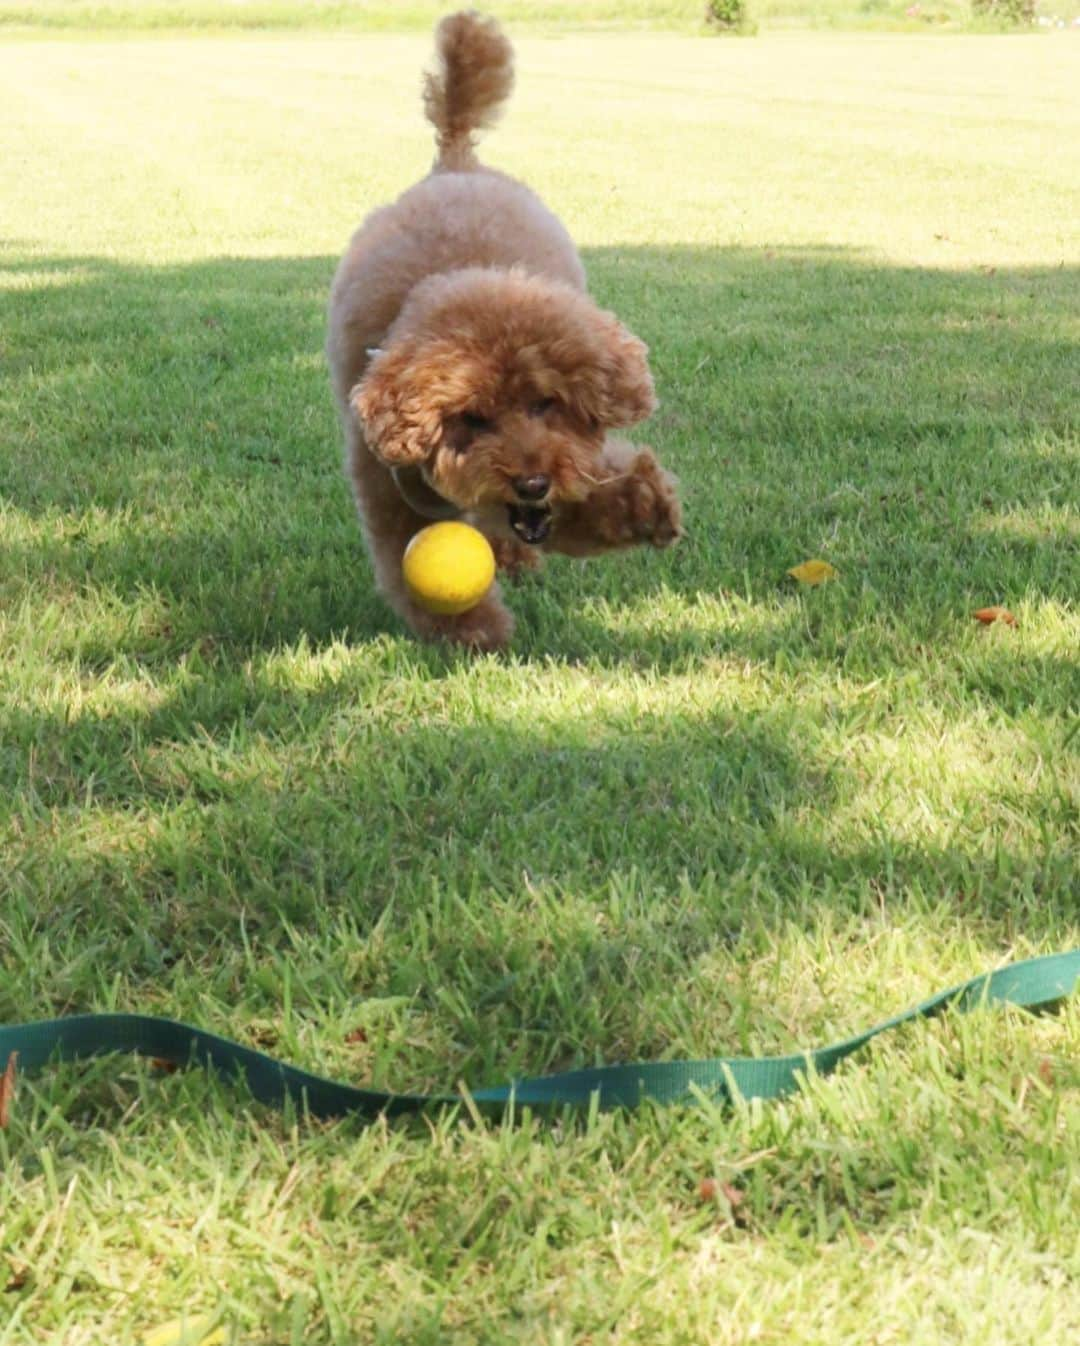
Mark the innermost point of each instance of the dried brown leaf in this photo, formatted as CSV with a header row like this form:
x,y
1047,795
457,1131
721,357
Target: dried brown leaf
x,y
709,1190
994,614
7,1089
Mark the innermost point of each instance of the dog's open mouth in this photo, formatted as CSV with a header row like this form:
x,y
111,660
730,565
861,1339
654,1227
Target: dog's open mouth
x,y
532,523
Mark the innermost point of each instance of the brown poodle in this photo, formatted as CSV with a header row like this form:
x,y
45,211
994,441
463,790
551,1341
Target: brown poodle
x,y
475,377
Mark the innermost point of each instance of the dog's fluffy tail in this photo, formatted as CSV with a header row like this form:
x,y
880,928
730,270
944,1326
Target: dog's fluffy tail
x,y
466,92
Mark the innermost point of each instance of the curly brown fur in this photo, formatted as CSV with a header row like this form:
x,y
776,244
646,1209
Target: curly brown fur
x,y
474,78
474,374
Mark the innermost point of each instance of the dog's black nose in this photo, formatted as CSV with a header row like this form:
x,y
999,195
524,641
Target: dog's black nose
x,y
532,488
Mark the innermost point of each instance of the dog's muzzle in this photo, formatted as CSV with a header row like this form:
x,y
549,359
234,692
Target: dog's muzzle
x,y
531,523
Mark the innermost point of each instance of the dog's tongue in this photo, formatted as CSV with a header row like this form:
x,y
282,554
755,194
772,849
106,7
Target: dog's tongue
x,y
531,523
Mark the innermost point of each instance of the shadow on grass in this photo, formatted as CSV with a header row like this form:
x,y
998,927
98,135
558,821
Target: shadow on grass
x,y
570,892
170,431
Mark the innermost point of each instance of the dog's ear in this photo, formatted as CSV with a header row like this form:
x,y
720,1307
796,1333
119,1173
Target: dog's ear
x,y
630,393
615,389
402,423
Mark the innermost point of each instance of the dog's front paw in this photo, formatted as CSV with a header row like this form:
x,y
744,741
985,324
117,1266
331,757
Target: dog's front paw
x,y
514,559
648,502
637,503
486,627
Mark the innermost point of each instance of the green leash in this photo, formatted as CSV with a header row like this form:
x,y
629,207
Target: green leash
x,y
1036,983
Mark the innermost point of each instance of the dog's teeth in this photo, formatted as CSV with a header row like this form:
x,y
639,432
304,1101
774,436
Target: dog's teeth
x,y
532,523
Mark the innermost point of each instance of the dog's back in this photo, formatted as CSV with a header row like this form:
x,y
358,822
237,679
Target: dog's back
x,y
462,215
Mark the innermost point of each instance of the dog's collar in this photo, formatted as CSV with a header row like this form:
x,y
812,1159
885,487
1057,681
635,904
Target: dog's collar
x,y
421,497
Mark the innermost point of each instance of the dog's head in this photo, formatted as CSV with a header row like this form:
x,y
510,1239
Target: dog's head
x,y
499,387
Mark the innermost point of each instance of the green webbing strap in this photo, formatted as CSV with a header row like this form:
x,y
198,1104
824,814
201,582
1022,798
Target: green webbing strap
x,y
1035,983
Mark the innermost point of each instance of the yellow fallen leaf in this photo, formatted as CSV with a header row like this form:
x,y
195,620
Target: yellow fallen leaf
x,y
185,1332
813,572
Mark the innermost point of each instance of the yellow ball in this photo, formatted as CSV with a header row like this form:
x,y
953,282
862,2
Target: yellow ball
x,y
448,567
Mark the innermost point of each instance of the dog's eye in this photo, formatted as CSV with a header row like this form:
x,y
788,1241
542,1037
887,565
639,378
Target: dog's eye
x,y
460,430
542,407
476,425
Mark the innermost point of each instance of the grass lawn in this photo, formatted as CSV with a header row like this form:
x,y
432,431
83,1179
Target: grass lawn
x,y
544,16
696,812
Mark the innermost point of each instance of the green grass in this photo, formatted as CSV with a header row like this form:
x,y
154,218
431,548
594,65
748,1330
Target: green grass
x,y
396,15
696,812
45,17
